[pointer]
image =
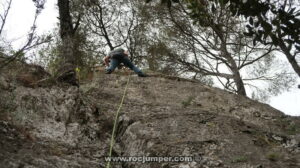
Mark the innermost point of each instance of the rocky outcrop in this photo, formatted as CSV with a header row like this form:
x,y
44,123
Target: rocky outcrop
x,y
61,126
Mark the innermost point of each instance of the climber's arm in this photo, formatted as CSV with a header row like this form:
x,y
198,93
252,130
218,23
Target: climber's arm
x,y
106,60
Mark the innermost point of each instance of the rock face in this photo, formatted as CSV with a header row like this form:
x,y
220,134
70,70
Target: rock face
x,y
70,127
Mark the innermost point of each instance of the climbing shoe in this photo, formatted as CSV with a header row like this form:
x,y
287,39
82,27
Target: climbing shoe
x,y
108,71
142,75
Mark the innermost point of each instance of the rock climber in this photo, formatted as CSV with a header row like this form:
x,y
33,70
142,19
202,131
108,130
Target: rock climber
x,y
118,56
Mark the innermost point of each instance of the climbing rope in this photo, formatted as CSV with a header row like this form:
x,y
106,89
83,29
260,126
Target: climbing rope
x,y
115,124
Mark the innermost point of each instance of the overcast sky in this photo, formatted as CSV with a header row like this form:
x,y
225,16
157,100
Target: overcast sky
x,y
21,17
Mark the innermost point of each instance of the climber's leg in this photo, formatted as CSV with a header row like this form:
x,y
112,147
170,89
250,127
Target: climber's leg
x,y
113,65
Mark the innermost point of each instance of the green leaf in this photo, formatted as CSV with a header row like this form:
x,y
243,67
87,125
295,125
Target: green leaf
x,y
274,39
267,27
292,11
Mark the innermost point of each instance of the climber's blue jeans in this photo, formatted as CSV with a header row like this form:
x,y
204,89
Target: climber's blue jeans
x,y
114,63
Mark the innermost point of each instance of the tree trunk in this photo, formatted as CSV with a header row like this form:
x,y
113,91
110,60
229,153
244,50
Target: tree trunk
x,y
236,76
291,59
239,83
240,87
285,49
66,72
293,62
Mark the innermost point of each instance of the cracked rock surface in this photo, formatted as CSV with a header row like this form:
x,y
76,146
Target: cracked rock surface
x,y
59,126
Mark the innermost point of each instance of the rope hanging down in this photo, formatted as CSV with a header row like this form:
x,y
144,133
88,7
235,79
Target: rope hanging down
x,y
115,124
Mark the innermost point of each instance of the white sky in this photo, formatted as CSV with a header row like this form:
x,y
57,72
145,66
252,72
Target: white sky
x,y
21,17
288,102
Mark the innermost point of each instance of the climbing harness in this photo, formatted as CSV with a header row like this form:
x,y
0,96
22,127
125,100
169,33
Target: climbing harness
x,y
115,123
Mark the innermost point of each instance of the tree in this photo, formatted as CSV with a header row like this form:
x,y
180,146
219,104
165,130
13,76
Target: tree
x,y
274,22
108,20
221,50
150,41
97,32
8,54
270,21
111,24
66,72
4,15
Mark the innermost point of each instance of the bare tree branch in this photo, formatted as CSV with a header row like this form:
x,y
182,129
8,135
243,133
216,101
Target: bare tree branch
x,y
32,40
4,16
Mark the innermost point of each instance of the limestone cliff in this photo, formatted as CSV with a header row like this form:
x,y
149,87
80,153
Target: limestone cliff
x,y
61,126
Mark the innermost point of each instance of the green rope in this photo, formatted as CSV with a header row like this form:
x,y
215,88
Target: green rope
x,y
115,124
